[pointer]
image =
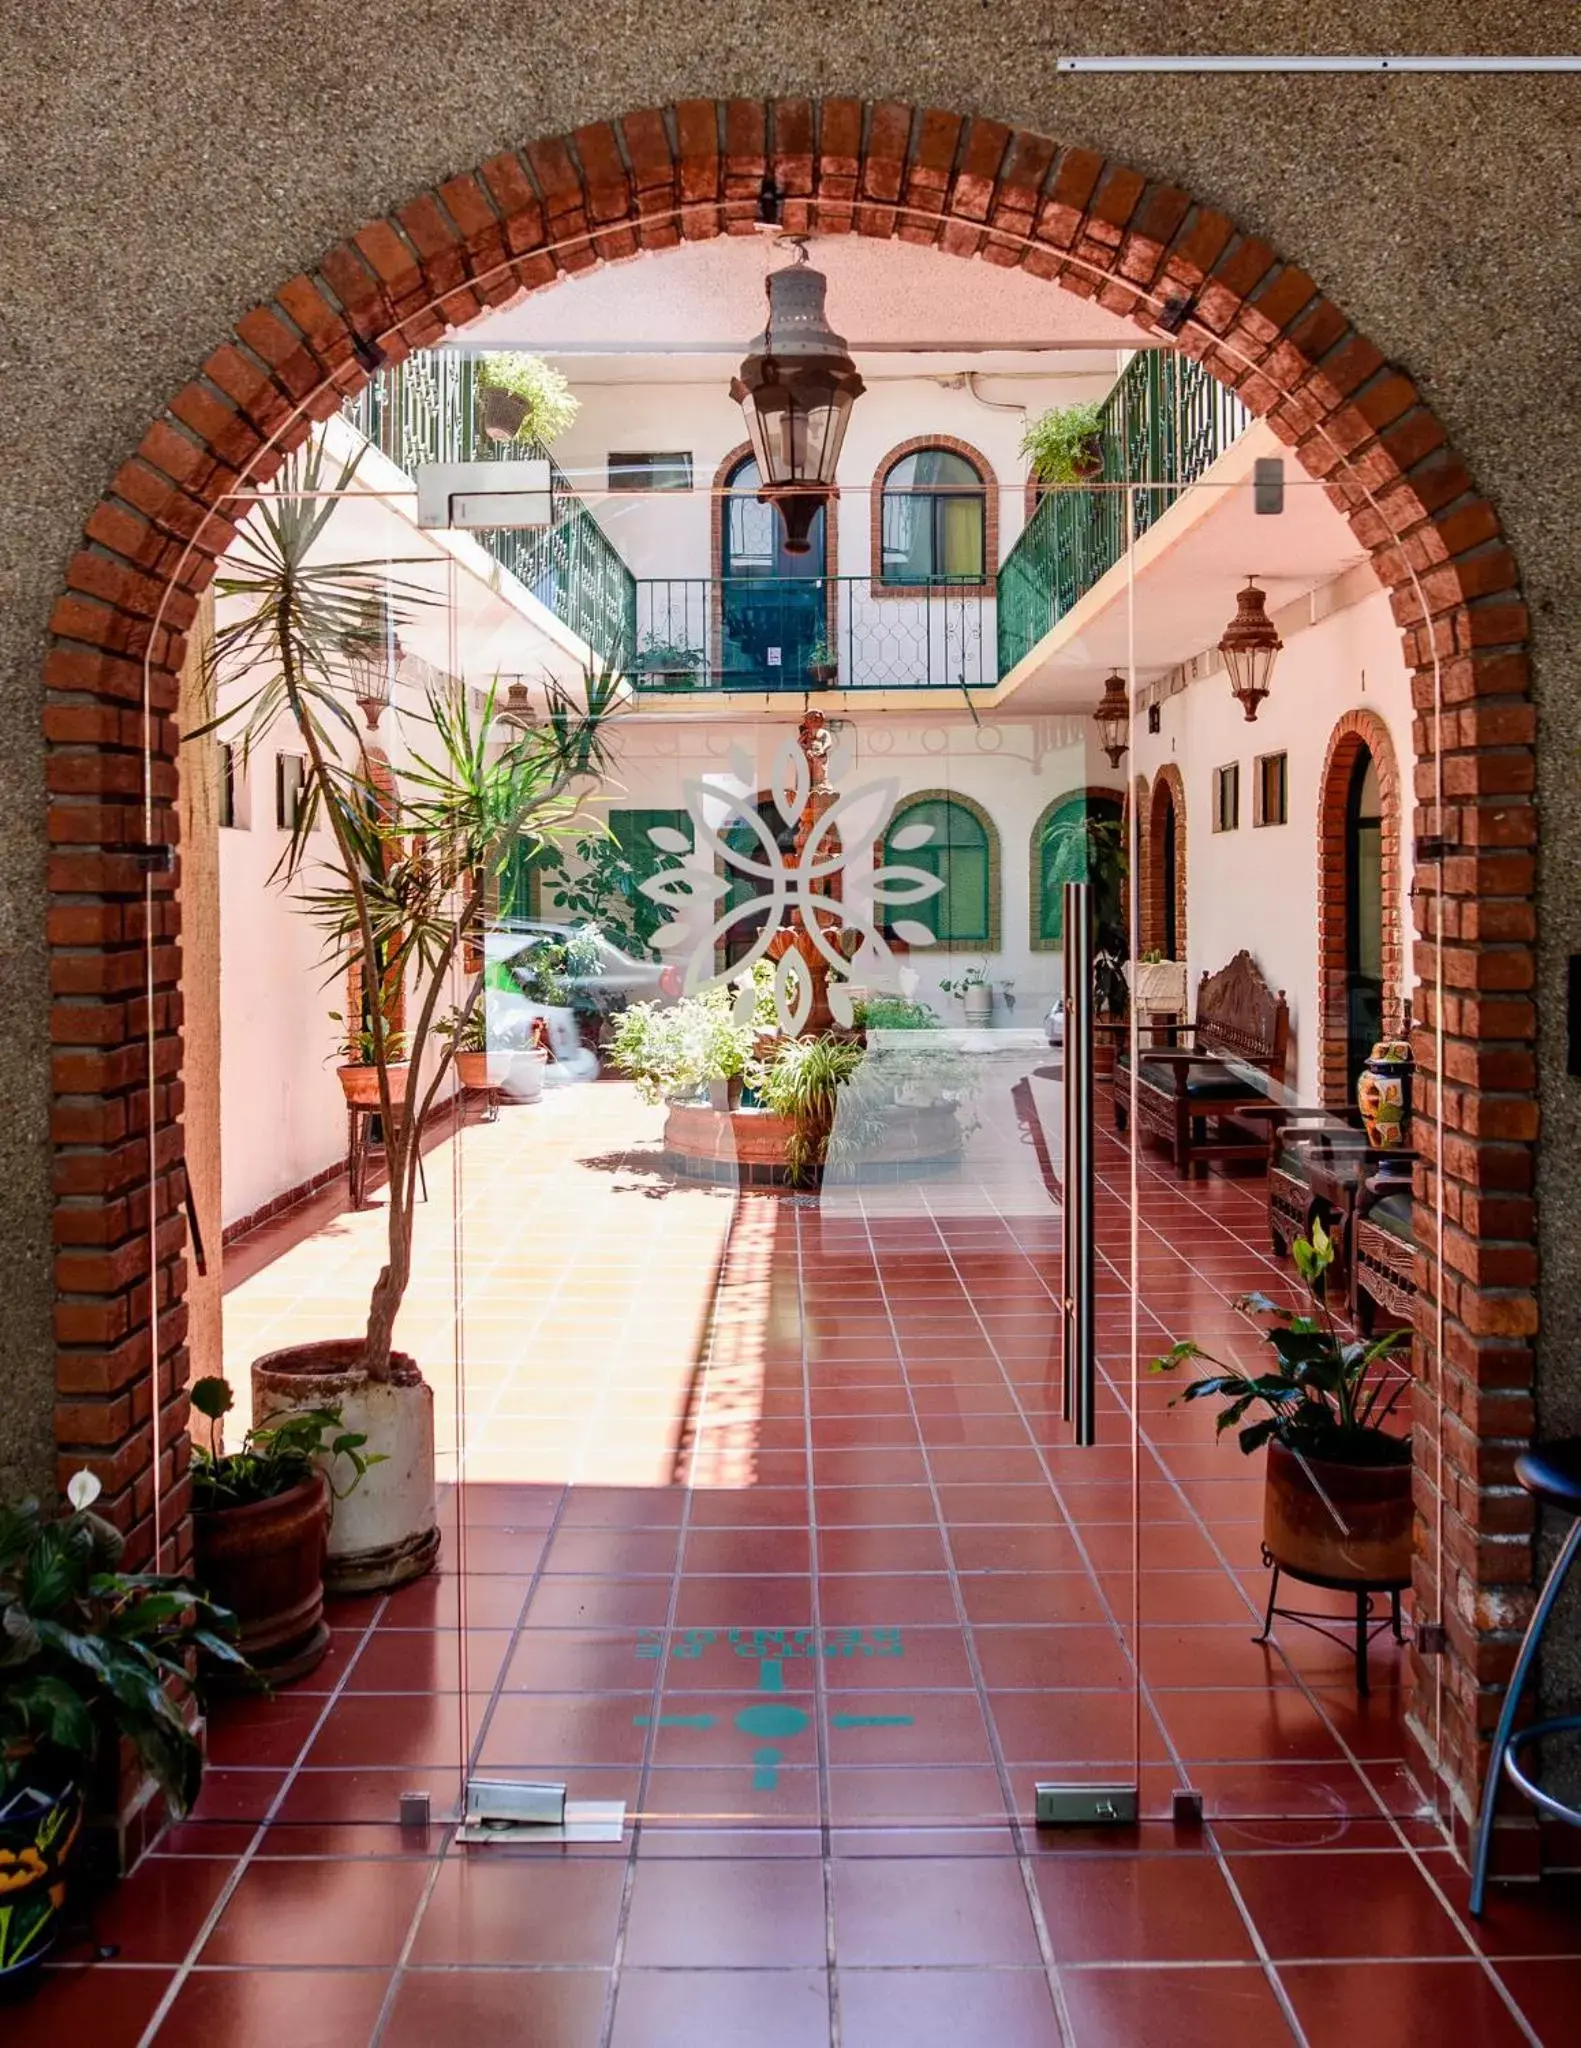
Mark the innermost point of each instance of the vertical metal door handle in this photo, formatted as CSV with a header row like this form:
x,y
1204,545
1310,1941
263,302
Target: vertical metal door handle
x,y
1079,1276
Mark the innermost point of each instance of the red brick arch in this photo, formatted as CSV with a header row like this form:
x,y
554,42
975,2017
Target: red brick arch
x,y
969,188
984,468
1355,730
1169,793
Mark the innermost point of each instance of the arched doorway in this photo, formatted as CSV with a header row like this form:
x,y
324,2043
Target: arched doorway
x,y
773,603
970,187
1361,960
1164,903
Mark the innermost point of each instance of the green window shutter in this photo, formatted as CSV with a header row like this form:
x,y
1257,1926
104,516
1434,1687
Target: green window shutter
x,y
961,914
630,831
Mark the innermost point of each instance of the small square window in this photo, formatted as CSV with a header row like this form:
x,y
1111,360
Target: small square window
x,y
1227,798
671,471
290,785
1273,789
233,789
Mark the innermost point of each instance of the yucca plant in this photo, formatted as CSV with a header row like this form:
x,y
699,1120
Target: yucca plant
x,y
404,887
804,1083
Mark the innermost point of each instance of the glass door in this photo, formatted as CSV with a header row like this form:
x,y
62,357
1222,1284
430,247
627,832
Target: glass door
x,y
775,622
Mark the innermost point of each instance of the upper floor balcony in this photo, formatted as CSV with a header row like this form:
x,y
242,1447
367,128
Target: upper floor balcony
x,y
934,610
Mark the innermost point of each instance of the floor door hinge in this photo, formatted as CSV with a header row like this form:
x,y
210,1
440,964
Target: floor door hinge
x,y
1086,1806
521,1810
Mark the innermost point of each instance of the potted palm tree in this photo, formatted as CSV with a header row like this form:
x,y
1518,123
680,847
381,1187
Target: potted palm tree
x,y
397,886
261,1515
1337,1501
90,1656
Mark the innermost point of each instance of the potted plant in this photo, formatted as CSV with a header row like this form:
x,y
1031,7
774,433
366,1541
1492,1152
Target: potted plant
x,y
727,1059
823,663
89,1656
358,1068
523,398
477,1068
397,885
1337,1498
803,1084
974,992
260,1517
667,663
1065,444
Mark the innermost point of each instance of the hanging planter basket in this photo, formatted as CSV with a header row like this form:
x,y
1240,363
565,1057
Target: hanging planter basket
x,y
504,414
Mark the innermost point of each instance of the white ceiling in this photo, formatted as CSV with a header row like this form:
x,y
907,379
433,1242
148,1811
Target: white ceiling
x,y
706,299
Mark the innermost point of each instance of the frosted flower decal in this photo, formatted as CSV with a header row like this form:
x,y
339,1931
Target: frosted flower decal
x,y
733,845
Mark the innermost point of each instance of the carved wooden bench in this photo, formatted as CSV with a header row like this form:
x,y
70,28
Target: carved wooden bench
x,y
1211,1099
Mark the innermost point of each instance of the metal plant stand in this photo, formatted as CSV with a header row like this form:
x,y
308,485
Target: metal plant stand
x,y
1367,1627
362,1146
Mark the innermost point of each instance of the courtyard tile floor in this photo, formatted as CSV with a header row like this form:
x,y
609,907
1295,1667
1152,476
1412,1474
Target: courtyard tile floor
x,y
762,1517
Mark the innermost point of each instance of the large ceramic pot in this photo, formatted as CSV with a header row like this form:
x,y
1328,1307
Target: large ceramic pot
x,y
39,1830
265,1561
524,1072
383,1533
480,1070
1383,1093
361,1084
1347,1523
978,1003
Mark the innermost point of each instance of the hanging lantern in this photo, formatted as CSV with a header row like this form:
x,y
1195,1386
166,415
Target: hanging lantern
x,y
1250,647
372,653
514,715
796,389
1113,718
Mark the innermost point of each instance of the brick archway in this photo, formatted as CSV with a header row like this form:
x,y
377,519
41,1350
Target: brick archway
x,y
1355,732
1168,797
968,188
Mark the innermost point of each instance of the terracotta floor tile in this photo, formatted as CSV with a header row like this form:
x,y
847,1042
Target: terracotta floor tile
x,y
411,1660
674,2008
1549,1994
868,1600
919,1910
262,2008
1187,2008
923,1794
1047,1656
946,2008
534,1908
317,1913
545,1731
1364,1905
156,1914
1128,1909
725,1913
892,1727
1218,1727
587,1603
895,1551
1398,2005
107,2004
546,2006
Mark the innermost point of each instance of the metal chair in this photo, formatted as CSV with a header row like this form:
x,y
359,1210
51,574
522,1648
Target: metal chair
x,y
1551,1473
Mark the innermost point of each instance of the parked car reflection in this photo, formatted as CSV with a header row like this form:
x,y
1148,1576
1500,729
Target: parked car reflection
x,y
553,987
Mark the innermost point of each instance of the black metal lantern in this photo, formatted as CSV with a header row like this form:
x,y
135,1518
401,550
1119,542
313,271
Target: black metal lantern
x,y
1113,718
796,389
1250,646
373,655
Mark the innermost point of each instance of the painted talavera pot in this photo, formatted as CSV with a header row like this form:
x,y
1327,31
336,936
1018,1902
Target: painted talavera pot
x,y
265,1562
1346,1523
1383,1093
39,1831
384,1532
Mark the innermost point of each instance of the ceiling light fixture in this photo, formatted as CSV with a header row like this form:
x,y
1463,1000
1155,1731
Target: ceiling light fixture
x,y
1250,646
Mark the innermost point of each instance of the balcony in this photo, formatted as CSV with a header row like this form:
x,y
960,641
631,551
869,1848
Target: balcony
x,y
796,633
1168,420
425,410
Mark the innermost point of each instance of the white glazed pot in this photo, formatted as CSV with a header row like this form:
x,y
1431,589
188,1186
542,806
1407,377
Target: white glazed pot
x,y
383,1533
524,1075
978,1004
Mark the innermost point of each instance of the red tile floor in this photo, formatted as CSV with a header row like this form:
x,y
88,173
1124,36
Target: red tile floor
x,y
769,1525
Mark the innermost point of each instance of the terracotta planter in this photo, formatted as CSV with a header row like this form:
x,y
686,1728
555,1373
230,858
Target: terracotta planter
x,y
1356,1531
265,1561
39,1831
360,1085
385,1532
504,414
482,1070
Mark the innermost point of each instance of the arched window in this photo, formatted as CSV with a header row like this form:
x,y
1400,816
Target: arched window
x,y
933,520
961,849
1363,913
1077,839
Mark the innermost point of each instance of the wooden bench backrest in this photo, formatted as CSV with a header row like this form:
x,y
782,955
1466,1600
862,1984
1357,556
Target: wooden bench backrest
x,y
1239,1016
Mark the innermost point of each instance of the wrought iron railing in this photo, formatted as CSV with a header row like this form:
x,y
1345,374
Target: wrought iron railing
x,y
1166,421
810,632
425,410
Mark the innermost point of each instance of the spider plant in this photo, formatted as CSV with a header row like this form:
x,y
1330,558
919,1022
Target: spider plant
x,y
402,889
804,1084
1324,1395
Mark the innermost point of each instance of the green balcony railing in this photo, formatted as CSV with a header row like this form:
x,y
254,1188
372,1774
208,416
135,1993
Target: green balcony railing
x,y
425,410
777,633
1166,421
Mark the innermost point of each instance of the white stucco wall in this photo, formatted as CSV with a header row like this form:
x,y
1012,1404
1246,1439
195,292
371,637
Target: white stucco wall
x,y
1257,887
